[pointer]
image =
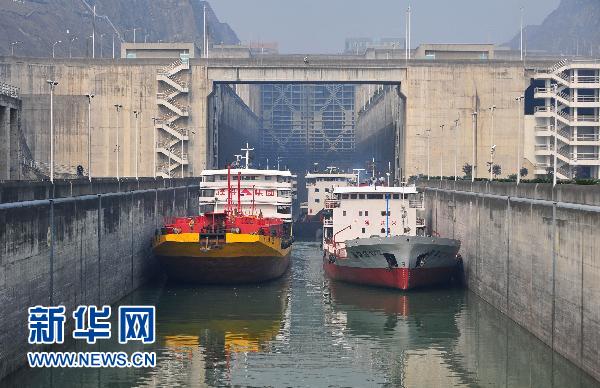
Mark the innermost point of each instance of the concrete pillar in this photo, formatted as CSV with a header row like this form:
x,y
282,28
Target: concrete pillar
x,y
5,143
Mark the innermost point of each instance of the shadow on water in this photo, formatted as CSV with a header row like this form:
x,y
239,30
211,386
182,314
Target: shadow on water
x,y
303,330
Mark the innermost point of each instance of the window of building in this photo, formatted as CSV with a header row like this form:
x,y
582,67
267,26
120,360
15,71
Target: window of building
x,y
360,213
363,230
317,200
316,190
383,212
344,213
366,213
382,230
326,190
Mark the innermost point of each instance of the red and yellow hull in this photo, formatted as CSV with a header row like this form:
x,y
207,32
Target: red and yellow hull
x,y
241,258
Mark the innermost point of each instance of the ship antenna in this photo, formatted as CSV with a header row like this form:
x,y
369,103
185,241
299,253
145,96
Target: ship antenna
x,y
239,193
229,188
247,149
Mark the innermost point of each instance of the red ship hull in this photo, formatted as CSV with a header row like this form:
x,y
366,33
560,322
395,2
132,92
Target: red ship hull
x,y
399,278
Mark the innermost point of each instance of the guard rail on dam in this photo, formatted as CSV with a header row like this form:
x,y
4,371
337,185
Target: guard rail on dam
x,y
531,251
77,243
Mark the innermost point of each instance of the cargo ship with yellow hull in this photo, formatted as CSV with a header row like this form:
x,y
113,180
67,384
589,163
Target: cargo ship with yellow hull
x,y
245,242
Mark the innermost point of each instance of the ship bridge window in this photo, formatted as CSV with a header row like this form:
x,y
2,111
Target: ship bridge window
x,y
345,196
361,196
316,189
383,213
209,178
352,196
268,177
283,209
207,193
317,200
396,196
374,196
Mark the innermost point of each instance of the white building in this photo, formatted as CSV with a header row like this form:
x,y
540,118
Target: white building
x,y
571,132
266,192
320,187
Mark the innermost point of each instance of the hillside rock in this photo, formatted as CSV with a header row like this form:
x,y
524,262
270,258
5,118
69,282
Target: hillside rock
x,y
40,23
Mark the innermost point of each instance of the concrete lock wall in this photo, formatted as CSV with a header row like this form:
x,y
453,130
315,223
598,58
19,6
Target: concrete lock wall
x,y
88,249
533,253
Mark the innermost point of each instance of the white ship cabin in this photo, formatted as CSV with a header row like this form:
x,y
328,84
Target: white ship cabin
x,y
320,187
373,211
266,192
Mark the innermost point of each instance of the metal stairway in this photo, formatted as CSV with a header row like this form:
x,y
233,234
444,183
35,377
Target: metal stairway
x,y
171,126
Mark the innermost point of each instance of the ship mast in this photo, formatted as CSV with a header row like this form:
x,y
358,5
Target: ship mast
x,y
247,157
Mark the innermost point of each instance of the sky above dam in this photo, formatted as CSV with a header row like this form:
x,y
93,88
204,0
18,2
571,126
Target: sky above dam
x,y
321,26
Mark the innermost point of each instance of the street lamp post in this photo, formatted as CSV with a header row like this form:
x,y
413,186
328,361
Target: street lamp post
x,y
101,43
154,119
474,156
456,148
492,146
555,134
118,108
442,152
52,85
519,137
54,45
89,145
137,139
73,39
12,47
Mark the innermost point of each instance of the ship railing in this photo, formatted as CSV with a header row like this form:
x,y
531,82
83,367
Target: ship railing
x,y
331,203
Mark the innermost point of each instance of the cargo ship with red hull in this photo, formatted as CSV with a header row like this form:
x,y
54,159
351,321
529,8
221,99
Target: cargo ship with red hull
x,y
375,236
247,241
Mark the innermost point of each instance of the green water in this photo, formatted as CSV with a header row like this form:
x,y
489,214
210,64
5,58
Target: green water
x,y
306,331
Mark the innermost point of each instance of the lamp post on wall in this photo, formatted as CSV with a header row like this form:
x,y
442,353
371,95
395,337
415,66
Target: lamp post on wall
x,y
474,166
554,169
492,146
89,97
52,85
54,45
12,47
118,108
456,148
519,137
154,119
442,152
137,138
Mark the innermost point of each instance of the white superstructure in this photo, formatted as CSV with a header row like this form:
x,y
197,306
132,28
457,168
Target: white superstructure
x,y
567,126
320,187
261,192
367,211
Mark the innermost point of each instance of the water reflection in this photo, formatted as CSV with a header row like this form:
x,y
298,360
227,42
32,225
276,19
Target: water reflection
x,y
305,331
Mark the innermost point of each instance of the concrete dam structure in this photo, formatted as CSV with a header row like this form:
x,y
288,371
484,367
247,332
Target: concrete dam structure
x,y
435,95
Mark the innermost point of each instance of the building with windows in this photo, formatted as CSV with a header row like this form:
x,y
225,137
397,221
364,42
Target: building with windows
x,y
567,123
